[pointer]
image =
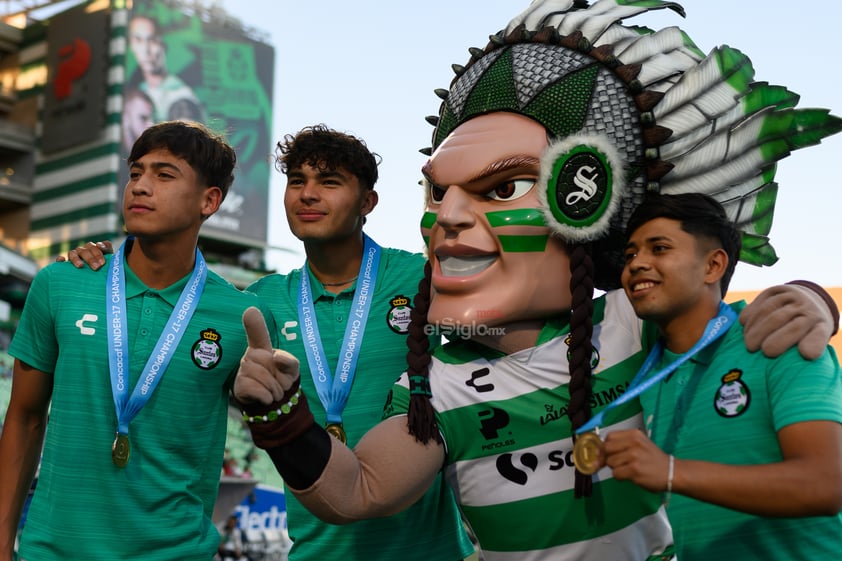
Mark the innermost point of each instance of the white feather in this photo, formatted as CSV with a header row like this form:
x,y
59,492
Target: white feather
x,y
718,179
699,80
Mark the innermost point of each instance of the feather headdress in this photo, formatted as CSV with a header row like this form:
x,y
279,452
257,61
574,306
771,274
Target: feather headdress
x,y
648,108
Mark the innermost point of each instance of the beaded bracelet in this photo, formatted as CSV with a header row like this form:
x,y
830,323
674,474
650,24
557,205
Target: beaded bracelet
x,y
274,415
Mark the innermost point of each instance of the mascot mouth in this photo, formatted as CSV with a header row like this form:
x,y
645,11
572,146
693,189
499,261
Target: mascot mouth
x,y
465,266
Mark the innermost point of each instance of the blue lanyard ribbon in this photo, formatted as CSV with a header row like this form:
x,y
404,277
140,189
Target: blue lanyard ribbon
x,y
118,341
714,329
333,393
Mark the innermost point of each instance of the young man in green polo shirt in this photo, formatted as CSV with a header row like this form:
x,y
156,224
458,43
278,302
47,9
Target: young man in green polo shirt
x,y
746,448
345,313
127,370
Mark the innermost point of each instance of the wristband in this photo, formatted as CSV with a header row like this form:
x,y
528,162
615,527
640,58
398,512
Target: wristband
x,y
280,422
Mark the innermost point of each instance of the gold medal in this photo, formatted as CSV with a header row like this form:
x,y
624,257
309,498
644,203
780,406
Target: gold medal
x,y
120,450
336,430
587,453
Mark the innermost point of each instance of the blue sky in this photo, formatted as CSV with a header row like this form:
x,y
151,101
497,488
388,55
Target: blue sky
x,y
370,67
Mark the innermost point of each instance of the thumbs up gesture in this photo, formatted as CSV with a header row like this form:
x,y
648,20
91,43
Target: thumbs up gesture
x,y
265,373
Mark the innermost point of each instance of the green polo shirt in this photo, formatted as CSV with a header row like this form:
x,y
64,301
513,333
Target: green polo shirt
x,y
726,405
159,506
429,530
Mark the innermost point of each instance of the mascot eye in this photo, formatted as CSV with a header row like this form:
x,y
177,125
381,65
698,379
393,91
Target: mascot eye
x,y
436,193
511,190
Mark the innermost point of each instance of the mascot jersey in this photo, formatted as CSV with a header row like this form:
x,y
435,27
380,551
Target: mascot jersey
x,y
509,449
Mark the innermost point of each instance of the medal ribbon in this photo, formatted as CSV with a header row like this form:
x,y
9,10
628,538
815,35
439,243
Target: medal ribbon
x,y
714,329
118,342
333,393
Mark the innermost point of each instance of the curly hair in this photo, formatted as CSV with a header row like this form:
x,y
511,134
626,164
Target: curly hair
x,y
326,149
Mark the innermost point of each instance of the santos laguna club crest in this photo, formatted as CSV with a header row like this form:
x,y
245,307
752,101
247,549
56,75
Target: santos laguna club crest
x,y
398,317
206,351
732,398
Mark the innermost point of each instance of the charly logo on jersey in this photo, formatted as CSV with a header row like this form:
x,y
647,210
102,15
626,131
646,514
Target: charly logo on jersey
x,y
287,330
87,329
594,352
733,396
479,382
207,352
398,316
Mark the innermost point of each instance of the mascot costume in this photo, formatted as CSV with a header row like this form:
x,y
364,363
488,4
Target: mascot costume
x,y
546,141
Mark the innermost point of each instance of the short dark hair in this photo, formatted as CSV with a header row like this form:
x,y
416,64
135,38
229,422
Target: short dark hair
x,y
207,152
328,150
700,216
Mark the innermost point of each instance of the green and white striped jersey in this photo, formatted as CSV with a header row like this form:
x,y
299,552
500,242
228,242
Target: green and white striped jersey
x,y
504,422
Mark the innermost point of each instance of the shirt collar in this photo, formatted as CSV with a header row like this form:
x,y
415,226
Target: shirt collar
x,y
317,289
136,287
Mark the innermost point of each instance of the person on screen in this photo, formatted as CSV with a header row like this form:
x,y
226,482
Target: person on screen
x,y
172,97
138,111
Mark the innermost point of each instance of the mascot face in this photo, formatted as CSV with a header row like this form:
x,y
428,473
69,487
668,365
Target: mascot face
x,y
493,258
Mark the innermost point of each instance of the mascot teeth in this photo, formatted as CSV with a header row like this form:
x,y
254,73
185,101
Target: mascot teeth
x,y
465,266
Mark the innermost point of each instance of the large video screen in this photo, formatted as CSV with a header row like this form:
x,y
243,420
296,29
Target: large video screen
x,y
184,65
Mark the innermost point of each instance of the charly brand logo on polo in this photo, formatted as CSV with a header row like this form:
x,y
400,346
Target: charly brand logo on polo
x,y
84,329
207,352
399,314
733,396
287,332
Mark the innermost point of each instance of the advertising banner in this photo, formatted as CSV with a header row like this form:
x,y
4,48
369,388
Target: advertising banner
x,y
205,67
74,97
264,509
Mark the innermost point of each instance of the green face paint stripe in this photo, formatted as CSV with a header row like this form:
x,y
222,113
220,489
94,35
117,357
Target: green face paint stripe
x,y
517,217
523,244
428,220
511,244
